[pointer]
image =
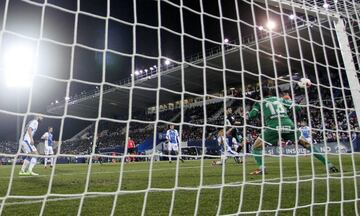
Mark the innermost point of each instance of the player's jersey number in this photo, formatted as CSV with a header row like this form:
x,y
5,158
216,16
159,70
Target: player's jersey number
x,y
275,107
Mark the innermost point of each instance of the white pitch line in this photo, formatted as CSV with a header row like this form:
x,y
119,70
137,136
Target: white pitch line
x,y
126,171
210,186
107,172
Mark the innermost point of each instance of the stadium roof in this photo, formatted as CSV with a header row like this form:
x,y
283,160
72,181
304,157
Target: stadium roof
x,y
116,99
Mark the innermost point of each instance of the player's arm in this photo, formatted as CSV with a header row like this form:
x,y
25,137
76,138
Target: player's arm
x,y
289,104
229,131
29,131
237,123
168,136
178,138
45,136
220,140
254,111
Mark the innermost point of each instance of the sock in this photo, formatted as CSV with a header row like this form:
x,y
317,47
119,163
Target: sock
x,y
238,150
258,157
32,163
52,161
316,150
25,165
45,161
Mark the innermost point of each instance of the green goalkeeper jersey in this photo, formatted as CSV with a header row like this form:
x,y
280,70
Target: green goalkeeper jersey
x,y
274,108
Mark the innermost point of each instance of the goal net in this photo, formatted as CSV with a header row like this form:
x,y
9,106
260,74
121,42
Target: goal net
x,y
179,107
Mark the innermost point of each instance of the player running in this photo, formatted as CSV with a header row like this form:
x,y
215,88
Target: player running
x,y
226,148
48,141
27,146
276,119
172,137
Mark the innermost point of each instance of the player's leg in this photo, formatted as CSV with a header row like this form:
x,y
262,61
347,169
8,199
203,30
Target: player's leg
x,y
32,165
270,136
312,148
232,153
46,151
25,146
132,158
33,161
222,159
175,149
129,158
169,145
51,152
178,152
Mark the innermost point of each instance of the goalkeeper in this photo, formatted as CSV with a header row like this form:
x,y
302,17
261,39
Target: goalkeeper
x,y
276,120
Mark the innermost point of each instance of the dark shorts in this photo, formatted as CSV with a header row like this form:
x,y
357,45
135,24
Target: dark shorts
x,y
131,150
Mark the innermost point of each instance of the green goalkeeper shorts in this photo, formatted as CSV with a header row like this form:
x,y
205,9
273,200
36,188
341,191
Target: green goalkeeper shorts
x,y
275,132
271,136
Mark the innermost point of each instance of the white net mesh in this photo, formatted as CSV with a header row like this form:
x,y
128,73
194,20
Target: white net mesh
x,y
103,73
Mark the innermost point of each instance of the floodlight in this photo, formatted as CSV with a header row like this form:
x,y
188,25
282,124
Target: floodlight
x,y
146,70
151,68
56,101
226,40
271,25
137,73
261,28
19,66
167,62
141,71
292,16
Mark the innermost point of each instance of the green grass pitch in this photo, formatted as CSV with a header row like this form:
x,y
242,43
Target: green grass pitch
x,y
306,190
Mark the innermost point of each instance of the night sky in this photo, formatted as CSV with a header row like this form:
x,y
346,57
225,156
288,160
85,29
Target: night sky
x,y
55,51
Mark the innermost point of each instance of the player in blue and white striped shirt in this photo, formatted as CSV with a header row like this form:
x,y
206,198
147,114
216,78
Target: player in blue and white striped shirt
x,y
173,142
48,149
306,132
226,144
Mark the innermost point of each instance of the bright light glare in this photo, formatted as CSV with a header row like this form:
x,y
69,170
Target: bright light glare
x,y
167,62
226,40
271,25
292,16
19,65
67,98
326,5
261,28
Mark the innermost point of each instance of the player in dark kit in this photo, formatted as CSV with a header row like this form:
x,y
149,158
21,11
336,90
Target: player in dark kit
x,y
97,151
234,132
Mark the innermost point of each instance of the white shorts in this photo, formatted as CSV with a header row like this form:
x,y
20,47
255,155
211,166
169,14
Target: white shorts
x,y
48,150
173,146
27,147
309,140
230,152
